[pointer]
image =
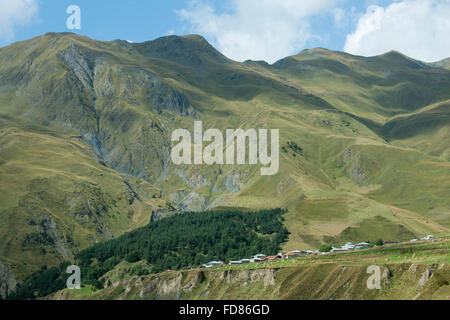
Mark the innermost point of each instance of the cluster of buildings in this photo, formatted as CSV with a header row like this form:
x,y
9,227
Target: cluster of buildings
x,y
261,258
428,237
296,253
350,246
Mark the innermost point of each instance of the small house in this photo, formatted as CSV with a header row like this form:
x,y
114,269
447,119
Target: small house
x,y
260,256
214,263
348,246
272,258
289,255
338,249
362,245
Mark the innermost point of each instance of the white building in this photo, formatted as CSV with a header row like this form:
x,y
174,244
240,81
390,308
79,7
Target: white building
x,y
213,264
338,249
346,247
259,256
362,245
349,246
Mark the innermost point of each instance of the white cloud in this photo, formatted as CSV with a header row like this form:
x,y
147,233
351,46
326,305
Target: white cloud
x,y
15,14
417,28
256,29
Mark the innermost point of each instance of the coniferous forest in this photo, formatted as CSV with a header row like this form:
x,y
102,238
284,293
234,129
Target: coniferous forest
x,y
182,240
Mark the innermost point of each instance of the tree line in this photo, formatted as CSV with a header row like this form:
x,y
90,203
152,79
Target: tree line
x,y
182,240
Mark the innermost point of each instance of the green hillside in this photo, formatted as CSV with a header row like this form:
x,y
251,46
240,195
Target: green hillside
x,y
408,271
180,241
85,143
442,64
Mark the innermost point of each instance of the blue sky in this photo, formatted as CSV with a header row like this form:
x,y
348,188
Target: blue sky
x,y
248,29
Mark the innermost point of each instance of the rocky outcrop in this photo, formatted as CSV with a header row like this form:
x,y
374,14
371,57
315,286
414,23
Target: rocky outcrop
x,y
246,277
82,66
105,85
97,71
318,281
386,277
8,283
179,285
51,229
426,275
163,288
233,182
193,202
353,161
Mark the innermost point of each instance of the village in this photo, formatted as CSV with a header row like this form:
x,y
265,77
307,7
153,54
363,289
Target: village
x,y
281,256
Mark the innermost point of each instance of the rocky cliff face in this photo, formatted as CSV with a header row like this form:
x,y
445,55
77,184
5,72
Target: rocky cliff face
x,y
121,108
331,281
109,85
109,109
7,281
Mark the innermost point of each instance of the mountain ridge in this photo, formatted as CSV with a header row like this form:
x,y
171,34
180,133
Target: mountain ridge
x,y
85,141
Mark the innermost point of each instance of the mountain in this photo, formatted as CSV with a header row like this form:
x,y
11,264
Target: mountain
x,y
442,64
85,145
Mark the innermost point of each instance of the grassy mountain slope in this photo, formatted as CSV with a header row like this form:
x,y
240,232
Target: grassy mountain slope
x,y
85,141
374,88
421,275
57,198
176,242
445,63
